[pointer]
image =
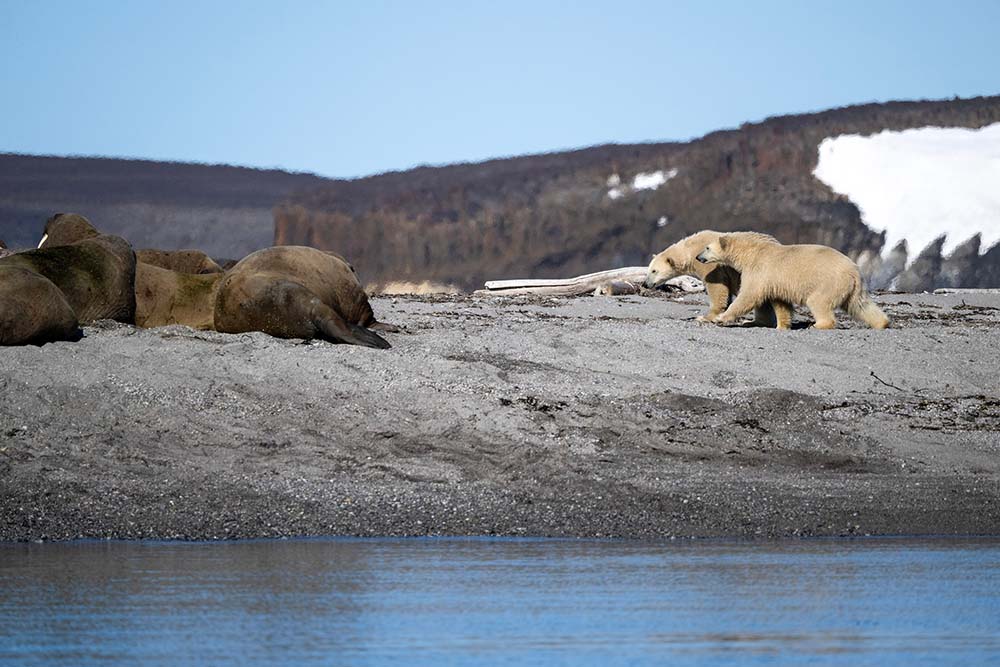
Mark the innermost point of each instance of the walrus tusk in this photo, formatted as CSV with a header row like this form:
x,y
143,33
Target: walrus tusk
x,y
45,237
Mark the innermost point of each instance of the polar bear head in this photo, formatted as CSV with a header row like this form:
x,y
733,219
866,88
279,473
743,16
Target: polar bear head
x,y
662,268
714,251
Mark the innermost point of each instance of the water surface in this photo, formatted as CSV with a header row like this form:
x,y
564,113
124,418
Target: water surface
x,y
501,601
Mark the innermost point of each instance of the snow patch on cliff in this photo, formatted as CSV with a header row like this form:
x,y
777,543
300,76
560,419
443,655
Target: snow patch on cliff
x,y
652,180
642,181
921,183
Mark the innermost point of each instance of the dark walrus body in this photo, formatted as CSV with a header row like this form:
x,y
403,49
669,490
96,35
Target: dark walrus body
x,y
80,276
33,309
95,272
297,292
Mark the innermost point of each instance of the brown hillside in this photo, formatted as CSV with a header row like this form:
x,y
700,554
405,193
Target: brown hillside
x,y
223,210
551,215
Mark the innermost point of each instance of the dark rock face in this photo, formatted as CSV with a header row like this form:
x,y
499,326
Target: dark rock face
x,y
554,214
960,267
988,268
923,273
885,269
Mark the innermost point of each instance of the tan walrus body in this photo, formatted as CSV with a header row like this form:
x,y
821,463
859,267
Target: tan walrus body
x,y
164,297
182,261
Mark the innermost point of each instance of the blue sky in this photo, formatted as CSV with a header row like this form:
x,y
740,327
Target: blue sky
x,y
345,89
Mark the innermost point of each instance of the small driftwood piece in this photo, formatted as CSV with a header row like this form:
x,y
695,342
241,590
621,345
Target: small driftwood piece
x,y
617,288
590,283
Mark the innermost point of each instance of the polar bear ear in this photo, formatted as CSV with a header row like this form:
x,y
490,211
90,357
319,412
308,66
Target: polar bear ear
x,y
724,242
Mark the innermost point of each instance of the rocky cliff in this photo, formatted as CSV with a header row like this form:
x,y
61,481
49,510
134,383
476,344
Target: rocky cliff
x,y
566,213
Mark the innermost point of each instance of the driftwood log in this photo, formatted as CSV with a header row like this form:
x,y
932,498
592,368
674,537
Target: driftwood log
x,y
967,290
616,281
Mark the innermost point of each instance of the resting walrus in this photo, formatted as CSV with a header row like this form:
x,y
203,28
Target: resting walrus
x,y
182,261
95,272
297,292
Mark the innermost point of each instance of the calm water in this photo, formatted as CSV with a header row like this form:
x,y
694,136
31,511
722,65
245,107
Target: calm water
x,y
491,602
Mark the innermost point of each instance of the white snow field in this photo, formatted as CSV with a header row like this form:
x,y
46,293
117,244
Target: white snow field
x,y
921,183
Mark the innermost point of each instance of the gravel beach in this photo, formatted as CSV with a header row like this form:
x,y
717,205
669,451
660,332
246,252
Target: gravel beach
x,y
590,416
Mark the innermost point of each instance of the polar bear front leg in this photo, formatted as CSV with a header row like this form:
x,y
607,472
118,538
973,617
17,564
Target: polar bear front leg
x,y
718,299
741,305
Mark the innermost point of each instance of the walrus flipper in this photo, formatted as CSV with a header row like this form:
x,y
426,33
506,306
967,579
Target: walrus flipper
x,y
334,327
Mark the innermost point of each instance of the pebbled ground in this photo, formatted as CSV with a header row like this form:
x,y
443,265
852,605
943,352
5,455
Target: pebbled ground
x,y
591,416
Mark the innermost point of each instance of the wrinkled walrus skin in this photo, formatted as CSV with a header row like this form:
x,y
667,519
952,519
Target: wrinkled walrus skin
x,y
32,309
95,272
297,292
164,297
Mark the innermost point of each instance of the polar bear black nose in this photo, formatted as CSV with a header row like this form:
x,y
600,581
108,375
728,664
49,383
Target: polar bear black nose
x,y
701,257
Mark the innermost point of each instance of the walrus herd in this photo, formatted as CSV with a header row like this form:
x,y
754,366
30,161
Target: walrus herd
x,y
78,275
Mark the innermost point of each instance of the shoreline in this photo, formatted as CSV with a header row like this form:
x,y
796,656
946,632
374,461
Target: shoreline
x,y
577,417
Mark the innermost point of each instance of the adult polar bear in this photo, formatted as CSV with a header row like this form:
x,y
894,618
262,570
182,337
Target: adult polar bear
x,y
815,275
722,283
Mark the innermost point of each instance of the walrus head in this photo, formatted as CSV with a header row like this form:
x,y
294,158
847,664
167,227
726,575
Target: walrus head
x,y
66,229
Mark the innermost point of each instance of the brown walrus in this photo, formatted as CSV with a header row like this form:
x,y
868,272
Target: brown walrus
x,y
95,272
284,291
182,261
297,292
33,309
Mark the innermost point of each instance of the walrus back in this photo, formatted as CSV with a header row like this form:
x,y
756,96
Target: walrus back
x,y
97,276
181,261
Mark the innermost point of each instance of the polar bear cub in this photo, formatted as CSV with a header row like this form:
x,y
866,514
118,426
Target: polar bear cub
x,y
815,275
721,282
